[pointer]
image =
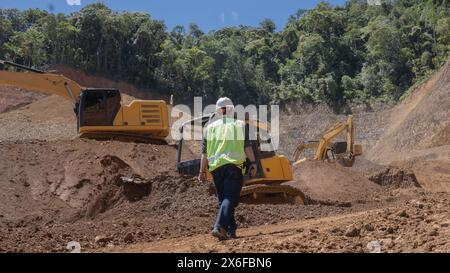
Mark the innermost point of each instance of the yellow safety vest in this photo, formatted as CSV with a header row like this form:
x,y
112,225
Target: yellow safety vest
x,y
225,143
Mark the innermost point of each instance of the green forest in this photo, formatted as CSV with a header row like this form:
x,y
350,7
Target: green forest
x,y
334,55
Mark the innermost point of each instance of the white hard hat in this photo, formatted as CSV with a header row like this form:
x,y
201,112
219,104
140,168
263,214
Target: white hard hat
x,y
224,102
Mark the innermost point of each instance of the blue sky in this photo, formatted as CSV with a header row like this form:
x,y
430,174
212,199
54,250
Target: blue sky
x,y
208,14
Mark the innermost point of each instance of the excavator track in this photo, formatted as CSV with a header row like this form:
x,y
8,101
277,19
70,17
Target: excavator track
x,y
272,194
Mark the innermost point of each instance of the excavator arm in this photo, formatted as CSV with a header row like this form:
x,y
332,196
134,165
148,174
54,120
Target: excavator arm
x,y
325,143
41,81
334,131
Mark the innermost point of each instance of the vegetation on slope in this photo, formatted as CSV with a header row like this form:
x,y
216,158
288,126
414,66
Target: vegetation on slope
x,y
356,52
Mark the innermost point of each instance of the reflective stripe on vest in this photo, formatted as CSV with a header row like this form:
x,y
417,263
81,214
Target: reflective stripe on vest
x,y
225,143
235,155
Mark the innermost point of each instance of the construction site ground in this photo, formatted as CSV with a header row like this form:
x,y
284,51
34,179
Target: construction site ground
x,y
113,196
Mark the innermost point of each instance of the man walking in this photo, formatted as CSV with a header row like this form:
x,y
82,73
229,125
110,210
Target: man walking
x,y
225,149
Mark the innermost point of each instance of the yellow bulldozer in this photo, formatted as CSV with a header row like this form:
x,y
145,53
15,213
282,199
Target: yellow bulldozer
x,y
267,186
99,111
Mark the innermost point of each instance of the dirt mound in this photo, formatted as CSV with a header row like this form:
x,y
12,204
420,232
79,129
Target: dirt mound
x,y
76,171
120,183
395,178
421,122
13,98
433,175
331,183
50,118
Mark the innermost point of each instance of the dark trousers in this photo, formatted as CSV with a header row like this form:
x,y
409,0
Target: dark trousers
x,y
228,181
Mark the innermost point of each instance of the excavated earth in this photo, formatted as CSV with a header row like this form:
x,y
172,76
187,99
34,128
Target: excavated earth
x,y
418,225
13,98
120,196
102,193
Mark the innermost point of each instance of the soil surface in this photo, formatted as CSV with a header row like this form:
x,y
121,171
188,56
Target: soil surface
x,y
417,225
13,98
109,192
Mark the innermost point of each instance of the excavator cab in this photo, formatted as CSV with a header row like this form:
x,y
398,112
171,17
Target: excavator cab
x,y
98,107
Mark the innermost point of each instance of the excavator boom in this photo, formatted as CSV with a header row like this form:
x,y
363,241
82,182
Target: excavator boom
x,y
332,133
41,81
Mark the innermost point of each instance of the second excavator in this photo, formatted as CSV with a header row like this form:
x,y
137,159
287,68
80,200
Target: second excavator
x,y
99,111
343,152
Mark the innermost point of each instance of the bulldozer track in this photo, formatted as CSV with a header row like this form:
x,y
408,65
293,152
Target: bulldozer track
x,y
272,194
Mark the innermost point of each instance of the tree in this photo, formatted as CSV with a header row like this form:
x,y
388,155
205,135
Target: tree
x,y
296,16
28,47
268,25
5,34
147,43
177,35
90,23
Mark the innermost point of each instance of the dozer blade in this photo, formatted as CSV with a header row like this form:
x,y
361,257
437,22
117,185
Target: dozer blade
x,y
272,194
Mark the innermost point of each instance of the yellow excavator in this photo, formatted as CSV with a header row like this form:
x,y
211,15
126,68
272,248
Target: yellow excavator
x,y
343,152
274,169
99,111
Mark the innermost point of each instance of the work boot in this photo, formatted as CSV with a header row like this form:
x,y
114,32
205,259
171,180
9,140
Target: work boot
x,y
219,233
232,235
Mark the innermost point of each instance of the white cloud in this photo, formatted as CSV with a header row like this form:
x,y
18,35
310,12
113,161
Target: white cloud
x,y
235,15
73,2
222,17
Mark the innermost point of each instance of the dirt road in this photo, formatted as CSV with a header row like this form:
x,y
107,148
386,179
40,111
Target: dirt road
x,y
418,225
